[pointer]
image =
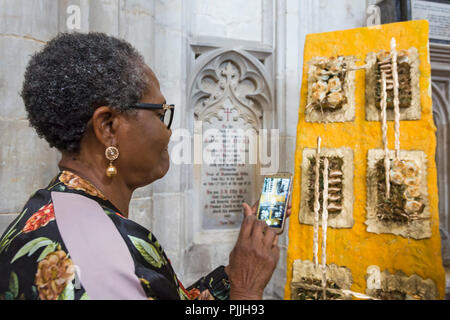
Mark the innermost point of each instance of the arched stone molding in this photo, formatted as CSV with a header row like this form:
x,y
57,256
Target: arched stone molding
x,y
232,74
440,90
441,118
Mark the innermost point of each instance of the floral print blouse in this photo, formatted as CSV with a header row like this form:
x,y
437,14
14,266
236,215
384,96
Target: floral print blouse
x,y
35,264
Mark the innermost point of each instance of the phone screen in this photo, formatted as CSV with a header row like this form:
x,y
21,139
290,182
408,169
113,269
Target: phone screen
x,y
273,201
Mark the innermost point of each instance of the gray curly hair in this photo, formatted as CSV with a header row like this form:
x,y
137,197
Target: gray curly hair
x,y
73,75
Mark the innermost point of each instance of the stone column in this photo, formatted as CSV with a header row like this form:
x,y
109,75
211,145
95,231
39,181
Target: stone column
x,y
170,205
26,161
136,19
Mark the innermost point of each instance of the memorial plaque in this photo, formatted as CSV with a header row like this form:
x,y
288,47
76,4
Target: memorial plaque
x,y
227,180
438,16
228,137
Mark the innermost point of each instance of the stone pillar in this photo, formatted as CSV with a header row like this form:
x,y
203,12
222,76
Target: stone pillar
x,y
170,206
136,20
26,162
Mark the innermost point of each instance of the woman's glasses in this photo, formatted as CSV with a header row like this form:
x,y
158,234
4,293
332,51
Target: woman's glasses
x,y
166,118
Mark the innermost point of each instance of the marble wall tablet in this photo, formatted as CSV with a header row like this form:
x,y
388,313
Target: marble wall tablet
x,y
407,212
340,210
227,115
409,91
331,89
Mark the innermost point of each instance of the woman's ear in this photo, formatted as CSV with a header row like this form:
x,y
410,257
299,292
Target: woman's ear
x,y
105,123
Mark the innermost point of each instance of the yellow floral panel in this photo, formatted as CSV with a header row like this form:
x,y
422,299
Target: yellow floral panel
x,y
363,253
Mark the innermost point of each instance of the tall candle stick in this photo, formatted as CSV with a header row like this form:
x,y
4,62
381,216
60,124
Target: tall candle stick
x,y
384,131
316,204
396,101
324,228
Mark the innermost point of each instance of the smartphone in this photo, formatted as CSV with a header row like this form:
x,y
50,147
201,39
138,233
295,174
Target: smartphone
x,y
274,200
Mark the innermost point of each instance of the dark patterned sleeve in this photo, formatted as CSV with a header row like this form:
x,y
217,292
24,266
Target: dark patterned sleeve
x,y
34,262
215,284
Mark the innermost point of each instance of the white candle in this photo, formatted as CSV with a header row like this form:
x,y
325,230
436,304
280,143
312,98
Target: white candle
x,y
316,204
396,101
324,228
384,132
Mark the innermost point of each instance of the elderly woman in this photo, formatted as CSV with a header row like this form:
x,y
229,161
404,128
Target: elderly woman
x,y
93,98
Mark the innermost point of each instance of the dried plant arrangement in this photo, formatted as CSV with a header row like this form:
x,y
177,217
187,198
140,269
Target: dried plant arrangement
x,y
405,203
311,289
340,196
307,282
404,210
335,179
331,86
398,286
404,72
384,63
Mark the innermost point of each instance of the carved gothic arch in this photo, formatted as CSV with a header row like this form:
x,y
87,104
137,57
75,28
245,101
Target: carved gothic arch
x,y
440,89
441,118
224,74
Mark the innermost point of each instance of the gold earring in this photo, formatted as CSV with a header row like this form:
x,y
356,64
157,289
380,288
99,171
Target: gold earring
x,y
111,153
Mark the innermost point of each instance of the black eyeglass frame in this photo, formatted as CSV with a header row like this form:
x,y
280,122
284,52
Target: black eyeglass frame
x,y
153,106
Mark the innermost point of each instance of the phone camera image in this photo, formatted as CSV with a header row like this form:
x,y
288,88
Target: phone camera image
x,y
272,204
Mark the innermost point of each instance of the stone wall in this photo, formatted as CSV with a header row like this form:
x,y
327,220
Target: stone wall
x,y
26,162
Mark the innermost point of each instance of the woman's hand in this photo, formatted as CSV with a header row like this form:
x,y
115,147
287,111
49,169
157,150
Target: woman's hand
x,y
253,258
